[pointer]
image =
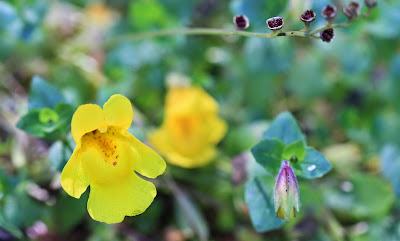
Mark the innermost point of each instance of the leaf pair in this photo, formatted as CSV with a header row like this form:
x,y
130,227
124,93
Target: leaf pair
x,y
49,116
283,140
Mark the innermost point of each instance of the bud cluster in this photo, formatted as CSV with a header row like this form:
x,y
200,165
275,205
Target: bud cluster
x,y
329,12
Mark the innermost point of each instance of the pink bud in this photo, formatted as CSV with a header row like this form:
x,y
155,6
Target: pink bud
x,y
286,193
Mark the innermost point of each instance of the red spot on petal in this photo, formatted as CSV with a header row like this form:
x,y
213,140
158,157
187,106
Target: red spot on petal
x,y
115,163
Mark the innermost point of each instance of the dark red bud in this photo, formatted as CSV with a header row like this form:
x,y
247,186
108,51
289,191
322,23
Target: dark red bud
x,y
308,16
352,9
275,23
327,35
371,3
329,12
241,22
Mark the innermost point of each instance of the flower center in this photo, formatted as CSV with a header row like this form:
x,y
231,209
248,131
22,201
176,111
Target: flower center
x,y
106,154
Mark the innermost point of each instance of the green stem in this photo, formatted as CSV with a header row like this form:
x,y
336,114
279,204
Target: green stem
x,y
345,24
185,31
222,32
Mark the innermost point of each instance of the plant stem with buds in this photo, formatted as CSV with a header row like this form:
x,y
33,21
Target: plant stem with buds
x,y
222,32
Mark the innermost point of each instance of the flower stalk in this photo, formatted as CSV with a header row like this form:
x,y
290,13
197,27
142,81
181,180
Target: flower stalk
x,y
225,32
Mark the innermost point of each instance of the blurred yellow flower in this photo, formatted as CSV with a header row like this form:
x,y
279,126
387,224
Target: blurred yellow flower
x,y
191,128
99,14
106,158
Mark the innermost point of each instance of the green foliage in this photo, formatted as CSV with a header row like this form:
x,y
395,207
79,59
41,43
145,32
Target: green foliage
x,y
43,94
368,197
390,167
347,94
285,128
282,141
47,123
259,197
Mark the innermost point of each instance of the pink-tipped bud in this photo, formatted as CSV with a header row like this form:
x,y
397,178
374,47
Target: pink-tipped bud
x,y
286,193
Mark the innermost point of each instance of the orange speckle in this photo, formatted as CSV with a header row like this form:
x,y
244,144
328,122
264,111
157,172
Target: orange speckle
x,y
116,157
114,163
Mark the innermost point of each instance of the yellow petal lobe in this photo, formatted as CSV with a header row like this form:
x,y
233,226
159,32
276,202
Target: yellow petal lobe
x,y
74,179
118,112
86,118
147,162
111,202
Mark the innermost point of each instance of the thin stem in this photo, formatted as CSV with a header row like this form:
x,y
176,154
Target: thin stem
x,y
185,31
224,32
345,24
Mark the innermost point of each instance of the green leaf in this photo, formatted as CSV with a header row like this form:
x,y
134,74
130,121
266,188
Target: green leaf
x,y
259,196
68,212
20,209
268,153
46,123
147,14
296,149
9,227
313,165
390,166
369,197
47,115
190,217
58,156
285,128
43,94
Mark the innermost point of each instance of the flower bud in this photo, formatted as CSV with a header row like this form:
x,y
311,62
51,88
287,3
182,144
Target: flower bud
x,y
275,23
241,22
327,35
308,16
286,193
371,3
329,12
352,10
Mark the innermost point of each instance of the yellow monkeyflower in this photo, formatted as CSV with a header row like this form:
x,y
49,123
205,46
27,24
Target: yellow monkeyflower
x,y
106,158
191,128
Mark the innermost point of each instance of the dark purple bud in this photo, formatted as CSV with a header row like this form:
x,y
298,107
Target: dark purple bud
x,y
308,16
352,10
371,3
327,35
241,22
275,23
329,12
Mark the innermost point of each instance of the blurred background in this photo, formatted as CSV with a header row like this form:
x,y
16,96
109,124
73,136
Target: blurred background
x,y
345,95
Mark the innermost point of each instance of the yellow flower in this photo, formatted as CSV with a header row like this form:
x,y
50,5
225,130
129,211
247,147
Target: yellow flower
x,y
106,158
191,128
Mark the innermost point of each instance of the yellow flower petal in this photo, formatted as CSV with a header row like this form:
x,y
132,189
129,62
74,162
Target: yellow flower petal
x,y
218,129
86,118
204,157
189,100
107,159
74,179
111,202
118,112
147,162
